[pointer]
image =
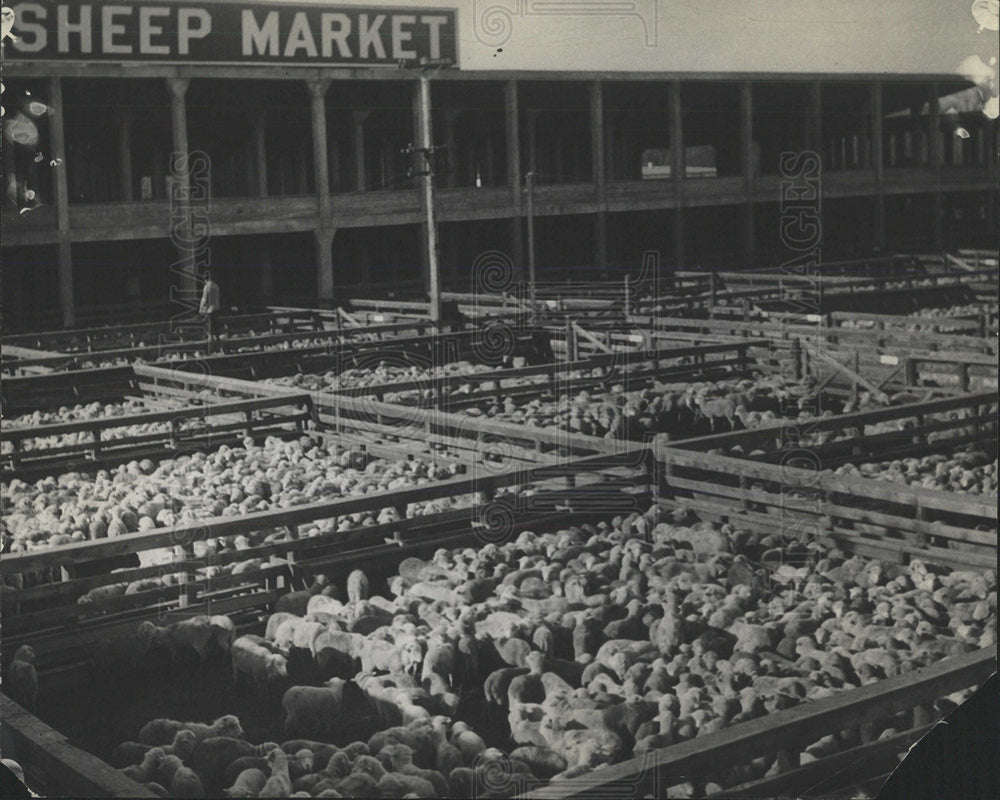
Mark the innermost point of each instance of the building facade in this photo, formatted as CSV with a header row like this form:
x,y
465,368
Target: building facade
x,y
305,189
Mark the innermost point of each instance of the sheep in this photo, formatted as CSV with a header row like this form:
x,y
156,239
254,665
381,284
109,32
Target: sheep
x,y
279,784
357,586
195,633
439,660
247,784
313,710
260,665
150,762
469,743
161,732
383,656
297,603
23,678
297,632
213,756
185,783
182,746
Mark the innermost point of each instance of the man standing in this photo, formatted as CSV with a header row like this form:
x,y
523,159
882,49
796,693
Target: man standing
x,y
210,310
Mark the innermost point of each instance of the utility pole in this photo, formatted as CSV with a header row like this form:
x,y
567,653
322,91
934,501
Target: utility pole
x,y
530,187
427,150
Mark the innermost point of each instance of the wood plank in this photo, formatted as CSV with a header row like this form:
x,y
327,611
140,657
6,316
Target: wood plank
x,y
66,770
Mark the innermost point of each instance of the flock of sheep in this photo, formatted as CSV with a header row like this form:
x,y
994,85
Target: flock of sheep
x,y
597,643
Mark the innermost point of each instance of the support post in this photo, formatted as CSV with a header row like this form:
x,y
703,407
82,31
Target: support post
x,y
512,129
358,117
746,148
677,168
324,261
597,173
935,145
426,142
179,165
530,187
815,126
260,151
451,115
877,162
321,167
125,155
66,302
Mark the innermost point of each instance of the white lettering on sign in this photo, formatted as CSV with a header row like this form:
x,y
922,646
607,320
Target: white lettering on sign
x,y
186,30
434,23
329,35
82,28
148,29
260,39
110,29
32,36
300,36
369,36
399,36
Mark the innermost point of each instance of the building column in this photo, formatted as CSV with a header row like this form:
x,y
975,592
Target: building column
x,y
451,115
877,163
260,151
58,142
512,131
125,154
746,148
321,167
533,139
597,173
935,159
358,117
324,261
678,168
180,175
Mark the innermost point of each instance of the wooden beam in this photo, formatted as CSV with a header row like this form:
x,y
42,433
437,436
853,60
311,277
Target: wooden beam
x,y
358,117
46,755
58,139
260,151
513,139
125,119
746,149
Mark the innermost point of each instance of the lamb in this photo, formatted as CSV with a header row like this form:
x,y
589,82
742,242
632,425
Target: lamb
x,y
23,678
128,753
161,732
313,710
280,782
248,784
260,665
357,586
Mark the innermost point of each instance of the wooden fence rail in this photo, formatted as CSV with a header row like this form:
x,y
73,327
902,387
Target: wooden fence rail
x,y
701,760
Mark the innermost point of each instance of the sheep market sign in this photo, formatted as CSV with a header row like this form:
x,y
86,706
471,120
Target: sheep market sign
x,y
229,32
